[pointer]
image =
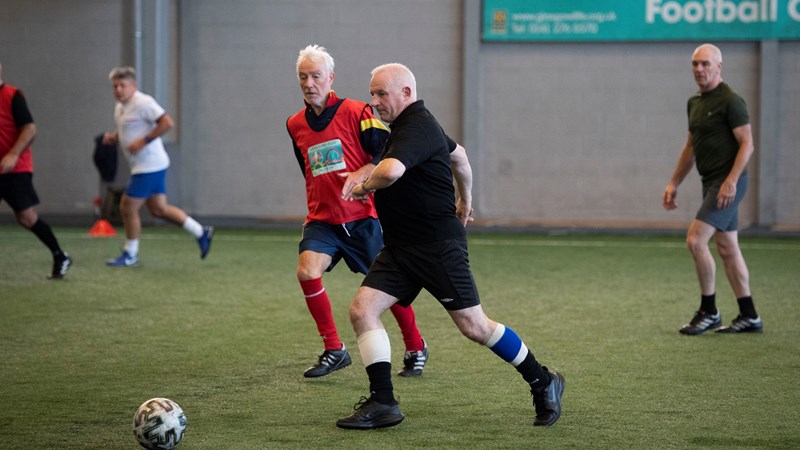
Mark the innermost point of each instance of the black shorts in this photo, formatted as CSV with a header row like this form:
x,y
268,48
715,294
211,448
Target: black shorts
x,y
441,268
358,242
17,189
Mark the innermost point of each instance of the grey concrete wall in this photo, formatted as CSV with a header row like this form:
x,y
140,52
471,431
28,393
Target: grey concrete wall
x,y
59,53
589,134
568,134
240,87
788,151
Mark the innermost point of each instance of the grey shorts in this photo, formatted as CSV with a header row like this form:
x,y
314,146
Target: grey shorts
x,y
725,219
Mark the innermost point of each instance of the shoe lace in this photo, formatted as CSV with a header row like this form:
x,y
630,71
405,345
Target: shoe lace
x,y
411,358
698,317
361,403
741,321
324,359
539,403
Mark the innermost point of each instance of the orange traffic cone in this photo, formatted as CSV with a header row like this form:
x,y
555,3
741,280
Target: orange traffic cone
x,y
102,228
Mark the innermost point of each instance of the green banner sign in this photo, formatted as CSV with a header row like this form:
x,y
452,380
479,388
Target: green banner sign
x,y
640,20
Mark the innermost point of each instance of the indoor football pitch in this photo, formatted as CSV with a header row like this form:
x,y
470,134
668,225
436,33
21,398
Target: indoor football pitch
x,y
228,339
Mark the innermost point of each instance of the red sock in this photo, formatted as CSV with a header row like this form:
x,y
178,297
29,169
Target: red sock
x,y
408,326
320,307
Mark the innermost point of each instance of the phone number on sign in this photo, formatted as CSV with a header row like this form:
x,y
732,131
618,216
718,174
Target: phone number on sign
x,y
558,28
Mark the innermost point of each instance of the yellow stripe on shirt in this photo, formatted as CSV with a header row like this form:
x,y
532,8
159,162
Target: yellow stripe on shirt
x,y
372,123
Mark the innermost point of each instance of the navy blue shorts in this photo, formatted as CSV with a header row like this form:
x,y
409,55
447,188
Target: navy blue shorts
x,y
146,185
17,189
441,268
358,242
725,219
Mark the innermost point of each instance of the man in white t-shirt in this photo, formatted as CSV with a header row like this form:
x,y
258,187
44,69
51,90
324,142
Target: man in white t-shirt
x,y
141,122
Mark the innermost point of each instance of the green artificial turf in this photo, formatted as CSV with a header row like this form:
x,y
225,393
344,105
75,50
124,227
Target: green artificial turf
x,y
229,337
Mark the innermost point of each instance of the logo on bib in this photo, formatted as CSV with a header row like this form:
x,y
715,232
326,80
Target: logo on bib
x,y
326,157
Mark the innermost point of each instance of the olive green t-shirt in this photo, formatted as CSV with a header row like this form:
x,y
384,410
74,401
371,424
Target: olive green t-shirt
x,y
712,117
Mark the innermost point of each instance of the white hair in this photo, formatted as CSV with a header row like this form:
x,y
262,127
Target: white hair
x,y
315,53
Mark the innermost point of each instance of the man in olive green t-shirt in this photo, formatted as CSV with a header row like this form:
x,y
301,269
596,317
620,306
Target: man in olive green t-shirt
x,y
720,143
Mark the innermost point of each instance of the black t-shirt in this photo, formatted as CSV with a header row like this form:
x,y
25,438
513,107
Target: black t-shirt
x,y
420,206
19,109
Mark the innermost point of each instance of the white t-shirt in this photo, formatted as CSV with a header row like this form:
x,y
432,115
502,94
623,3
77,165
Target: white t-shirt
x,y
135,119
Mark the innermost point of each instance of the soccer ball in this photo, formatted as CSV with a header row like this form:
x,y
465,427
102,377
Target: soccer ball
x,y
159,424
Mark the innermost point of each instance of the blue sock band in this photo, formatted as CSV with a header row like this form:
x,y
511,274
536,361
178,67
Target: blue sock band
x,y
506,344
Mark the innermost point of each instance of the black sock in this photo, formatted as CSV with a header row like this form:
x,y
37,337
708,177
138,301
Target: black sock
x,y
533,372
380,382
45,234
708,303
746,307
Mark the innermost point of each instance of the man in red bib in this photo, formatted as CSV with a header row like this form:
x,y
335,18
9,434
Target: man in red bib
x,y
337,143
17,131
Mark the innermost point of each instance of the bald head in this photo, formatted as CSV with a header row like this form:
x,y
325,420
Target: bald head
x,y
709,51
399,75
707,67
392,88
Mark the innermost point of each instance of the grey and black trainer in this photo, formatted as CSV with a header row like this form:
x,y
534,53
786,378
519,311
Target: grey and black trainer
x,y
701,322
61,265
742,324
329,361
414,362
547,401
370,414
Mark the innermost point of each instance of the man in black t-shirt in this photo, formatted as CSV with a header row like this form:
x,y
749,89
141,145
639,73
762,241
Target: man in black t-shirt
x,y
720,143
425,248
